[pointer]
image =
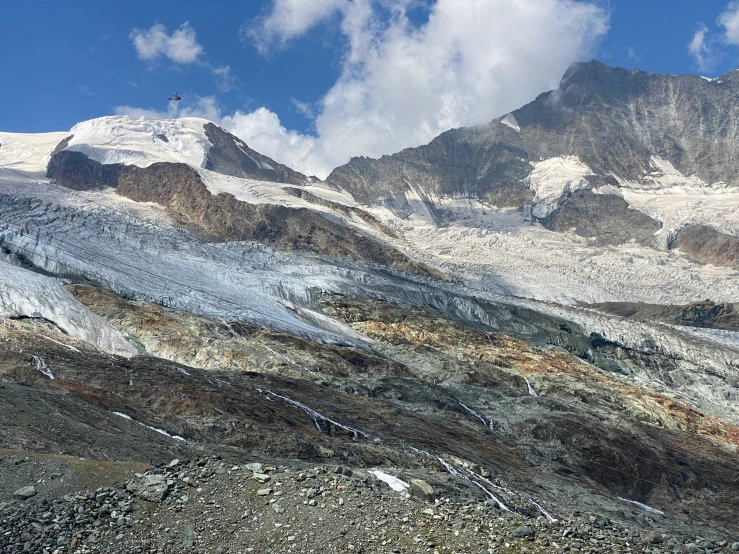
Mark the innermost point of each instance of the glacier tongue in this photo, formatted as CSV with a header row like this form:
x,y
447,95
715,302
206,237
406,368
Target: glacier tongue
x,y
27,294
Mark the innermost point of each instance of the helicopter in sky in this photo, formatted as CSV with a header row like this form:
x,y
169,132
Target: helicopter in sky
x,y
175,97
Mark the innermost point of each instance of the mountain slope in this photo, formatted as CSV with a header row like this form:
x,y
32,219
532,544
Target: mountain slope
x,y
258,313
199,172
637,135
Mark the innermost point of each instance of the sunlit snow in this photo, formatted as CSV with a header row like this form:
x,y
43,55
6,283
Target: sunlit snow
x,y
393,482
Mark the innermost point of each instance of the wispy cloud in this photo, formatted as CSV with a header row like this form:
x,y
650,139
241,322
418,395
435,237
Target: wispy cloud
x,y
702,50
86,91
134,85
304,108
206,107
633,55
707,47
181,47
224,80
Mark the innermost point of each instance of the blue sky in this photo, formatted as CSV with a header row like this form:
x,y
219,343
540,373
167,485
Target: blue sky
x,y
312,82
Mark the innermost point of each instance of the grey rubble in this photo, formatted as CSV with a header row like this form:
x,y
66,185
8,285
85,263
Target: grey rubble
x,y
214,506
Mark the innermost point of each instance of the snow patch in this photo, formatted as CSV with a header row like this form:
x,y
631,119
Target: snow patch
x,y
554,177
72,348
41,367
642,506
260,165
319,420
160,431
510,121
130,140
396,484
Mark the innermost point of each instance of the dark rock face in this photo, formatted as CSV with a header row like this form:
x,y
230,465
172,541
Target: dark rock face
x,y
606,217
709,246
487,162
76,171
231,156
585,439
615,120
705,314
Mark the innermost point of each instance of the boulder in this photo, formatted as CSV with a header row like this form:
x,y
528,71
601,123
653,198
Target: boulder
x,y
25,493
524,532
421,490
150,487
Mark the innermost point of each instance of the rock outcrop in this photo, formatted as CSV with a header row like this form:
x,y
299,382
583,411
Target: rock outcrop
x,y
708,245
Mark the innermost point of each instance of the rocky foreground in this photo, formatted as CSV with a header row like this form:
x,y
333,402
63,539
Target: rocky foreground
x,y
212,505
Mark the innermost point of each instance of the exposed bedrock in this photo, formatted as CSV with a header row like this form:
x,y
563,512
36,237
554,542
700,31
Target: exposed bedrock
x,y
586,438
606,218
705,314
486,162
613,119
231,156
709,246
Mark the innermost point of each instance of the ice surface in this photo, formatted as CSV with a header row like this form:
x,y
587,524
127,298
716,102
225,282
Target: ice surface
x,y
510,121
27,294
682,204
553,177
28,152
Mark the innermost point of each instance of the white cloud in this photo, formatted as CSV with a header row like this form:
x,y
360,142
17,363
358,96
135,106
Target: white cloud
x,y
633,55
402,84
303,108
729,20
202,106
86,91
262,131
155,43
224,80
181,47
288,19
702,51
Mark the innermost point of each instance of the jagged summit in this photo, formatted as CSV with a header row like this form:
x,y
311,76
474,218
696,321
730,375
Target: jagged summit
x,y
611,155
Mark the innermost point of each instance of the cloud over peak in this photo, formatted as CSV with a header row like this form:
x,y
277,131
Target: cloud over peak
x,y
402,83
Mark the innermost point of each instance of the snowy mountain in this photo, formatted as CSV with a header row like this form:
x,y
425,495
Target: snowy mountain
x,y
479,298
611,157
